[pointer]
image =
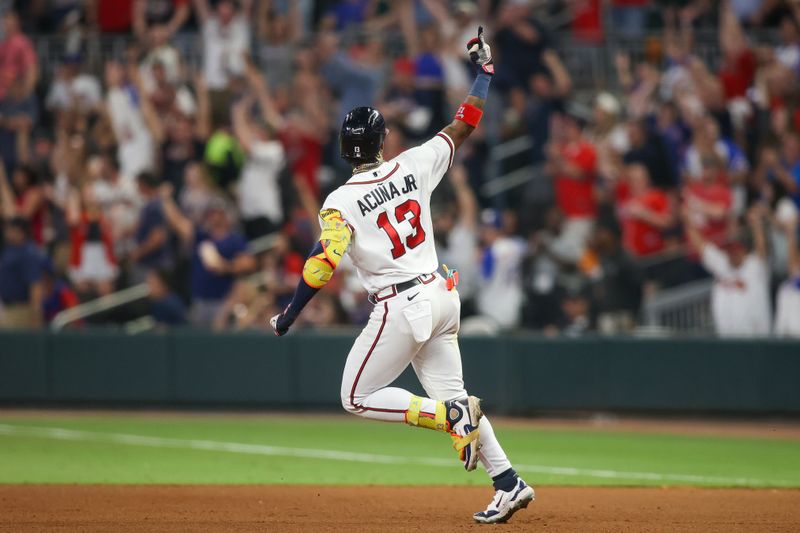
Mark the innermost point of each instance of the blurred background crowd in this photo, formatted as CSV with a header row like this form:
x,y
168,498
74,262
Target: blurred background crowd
x,y
637,168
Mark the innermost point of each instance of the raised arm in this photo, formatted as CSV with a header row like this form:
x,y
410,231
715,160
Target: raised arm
x,y
179,18
203,118
561,78
202,9
152,119
139,18
258,85
465,197
7,198
755,219
318,270
693,235
469,114
790,227
72,212
731,35
176,220
241,126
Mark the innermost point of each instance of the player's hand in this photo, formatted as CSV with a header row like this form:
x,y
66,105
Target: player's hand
x,y
480,53
280,324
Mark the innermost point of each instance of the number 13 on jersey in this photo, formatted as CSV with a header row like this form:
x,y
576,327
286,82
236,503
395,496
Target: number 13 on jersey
x,y
400,212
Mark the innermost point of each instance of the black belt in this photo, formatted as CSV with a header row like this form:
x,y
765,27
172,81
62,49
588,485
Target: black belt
x,y
400,287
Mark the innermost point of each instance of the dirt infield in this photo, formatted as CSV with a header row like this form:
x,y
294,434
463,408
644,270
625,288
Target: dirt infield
x,y
417,509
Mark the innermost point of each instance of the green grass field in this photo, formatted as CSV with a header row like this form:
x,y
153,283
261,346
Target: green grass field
x,y
330,450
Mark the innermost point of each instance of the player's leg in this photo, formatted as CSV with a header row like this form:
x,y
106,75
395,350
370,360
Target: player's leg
x,y
438,367
378,357
396,330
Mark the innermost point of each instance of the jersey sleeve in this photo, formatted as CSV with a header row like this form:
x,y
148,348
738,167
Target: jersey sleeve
x,y
432,159
332,203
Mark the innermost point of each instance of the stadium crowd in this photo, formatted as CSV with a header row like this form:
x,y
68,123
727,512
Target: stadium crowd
x,y
204,183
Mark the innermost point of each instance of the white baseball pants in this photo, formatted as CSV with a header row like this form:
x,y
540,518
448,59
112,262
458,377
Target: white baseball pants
x,y
417,326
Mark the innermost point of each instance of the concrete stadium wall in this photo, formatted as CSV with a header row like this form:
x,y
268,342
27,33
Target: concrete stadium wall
x,y
515,375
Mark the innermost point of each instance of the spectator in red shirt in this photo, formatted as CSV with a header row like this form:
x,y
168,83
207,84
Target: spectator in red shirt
x,y
17,57
572,162
303,151
587,20
709,202
111,16
92,265
644,213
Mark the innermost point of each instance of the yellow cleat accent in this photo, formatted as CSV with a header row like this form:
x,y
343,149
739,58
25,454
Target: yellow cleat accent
x,y
459,443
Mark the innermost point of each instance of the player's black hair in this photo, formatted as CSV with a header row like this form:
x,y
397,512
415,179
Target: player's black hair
x,y
20,223
164,276
149,179
112,159
30,174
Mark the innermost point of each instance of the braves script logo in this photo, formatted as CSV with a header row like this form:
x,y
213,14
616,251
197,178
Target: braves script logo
x,y
460,113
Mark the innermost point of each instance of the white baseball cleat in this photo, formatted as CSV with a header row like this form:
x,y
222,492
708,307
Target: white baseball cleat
x,y
463,419
505,504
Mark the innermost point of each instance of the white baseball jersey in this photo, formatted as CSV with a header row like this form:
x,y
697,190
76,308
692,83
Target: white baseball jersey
x,y
787,309
388,209
740,297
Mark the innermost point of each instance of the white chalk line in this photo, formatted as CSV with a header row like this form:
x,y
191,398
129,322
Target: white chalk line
x,y
336,455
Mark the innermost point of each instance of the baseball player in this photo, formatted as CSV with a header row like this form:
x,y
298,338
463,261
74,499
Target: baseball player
x,y
381,216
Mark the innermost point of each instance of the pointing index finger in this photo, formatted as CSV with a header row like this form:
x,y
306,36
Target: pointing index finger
x,y
480,36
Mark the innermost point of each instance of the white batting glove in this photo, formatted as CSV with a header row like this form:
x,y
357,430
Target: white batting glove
x,y
480,53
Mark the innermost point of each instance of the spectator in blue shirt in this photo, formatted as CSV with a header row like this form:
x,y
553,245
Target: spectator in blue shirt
x,y
21,265
57,295
430,78
348,13
790,158
152,234
166,308
219,254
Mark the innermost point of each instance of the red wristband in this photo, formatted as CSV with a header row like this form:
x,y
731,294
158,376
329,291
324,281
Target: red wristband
x,y
469,114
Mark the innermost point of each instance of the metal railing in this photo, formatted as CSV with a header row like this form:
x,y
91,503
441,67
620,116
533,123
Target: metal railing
x,y
99,305
134,294
683,309
499,154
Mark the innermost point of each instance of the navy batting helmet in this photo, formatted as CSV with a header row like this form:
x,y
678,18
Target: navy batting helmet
x,y
363,132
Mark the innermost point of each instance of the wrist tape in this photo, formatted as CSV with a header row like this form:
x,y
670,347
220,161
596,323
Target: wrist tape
x,y
469,114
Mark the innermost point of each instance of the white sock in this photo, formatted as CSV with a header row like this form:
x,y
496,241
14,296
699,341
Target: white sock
x,y
491,454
